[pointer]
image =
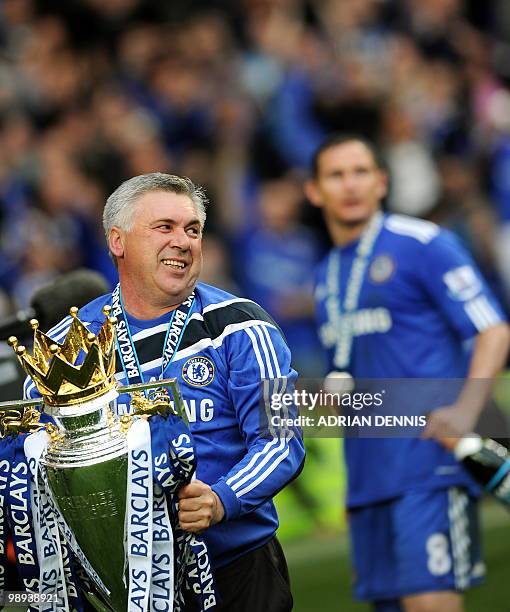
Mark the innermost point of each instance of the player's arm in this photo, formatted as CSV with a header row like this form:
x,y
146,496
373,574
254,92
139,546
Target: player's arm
x,y
461,294
259,369
488,359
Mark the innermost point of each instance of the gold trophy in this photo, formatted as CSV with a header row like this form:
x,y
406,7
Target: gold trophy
x,y
85,459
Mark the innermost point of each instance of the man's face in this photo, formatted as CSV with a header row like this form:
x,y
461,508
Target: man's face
x,y
349,186
160,257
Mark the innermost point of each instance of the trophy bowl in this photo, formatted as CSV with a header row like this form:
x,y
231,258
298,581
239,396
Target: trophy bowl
x,y
86,467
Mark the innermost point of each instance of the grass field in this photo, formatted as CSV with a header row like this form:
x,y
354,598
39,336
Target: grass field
x,y
320,570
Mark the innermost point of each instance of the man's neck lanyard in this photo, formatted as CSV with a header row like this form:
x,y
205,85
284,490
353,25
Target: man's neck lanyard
x,y
126,346
340,316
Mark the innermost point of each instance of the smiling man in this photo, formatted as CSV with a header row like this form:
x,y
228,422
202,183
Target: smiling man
x,y
158,252
220,348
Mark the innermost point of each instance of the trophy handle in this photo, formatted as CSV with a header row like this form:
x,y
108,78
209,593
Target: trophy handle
x,y
169,383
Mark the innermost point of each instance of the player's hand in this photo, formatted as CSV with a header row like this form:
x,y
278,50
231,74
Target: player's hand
x,y
199,507
449,422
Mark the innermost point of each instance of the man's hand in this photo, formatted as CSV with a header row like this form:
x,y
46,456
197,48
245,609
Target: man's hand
x,y
453,421
489,356
199,507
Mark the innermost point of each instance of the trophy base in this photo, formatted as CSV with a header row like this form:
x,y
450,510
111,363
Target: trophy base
x,y
95,603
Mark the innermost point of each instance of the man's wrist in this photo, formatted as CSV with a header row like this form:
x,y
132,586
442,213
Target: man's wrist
x,y
230,503
218,509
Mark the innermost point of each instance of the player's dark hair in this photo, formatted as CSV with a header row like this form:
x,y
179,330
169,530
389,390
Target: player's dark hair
x,y
340,138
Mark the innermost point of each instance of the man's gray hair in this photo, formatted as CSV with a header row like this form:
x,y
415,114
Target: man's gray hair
x,y
120,206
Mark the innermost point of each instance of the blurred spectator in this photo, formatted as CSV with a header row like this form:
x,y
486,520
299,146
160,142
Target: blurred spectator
x,y
216,268
413,174
236,94
464,209
274,265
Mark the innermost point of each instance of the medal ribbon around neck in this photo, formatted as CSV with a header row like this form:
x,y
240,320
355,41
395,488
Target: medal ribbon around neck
x,y
126,346
342,325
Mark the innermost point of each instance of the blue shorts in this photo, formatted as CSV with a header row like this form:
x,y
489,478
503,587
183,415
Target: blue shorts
x,y
423,541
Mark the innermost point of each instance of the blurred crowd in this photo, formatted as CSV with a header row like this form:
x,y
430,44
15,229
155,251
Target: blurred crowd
x,y
236,95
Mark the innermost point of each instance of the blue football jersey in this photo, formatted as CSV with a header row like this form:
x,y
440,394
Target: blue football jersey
x,y
229,346
421,299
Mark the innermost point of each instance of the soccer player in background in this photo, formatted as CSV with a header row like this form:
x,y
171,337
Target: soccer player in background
x,y
412,508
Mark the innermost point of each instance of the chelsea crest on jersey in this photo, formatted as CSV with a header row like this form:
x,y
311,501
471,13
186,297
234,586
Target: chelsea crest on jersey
x,y
419,295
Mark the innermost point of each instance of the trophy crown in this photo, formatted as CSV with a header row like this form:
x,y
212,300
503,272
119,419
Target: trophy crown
x,y
79,370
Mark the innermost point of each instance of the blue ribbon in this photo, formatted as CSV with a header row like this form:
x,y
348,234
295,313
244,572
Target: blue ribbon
x,y
20,517
174,457
126,347
6,460
199,573
18,514
73,582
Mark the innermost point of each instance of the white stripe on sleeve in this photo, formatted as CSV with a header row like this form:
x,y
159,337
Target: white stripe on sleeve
x,y
267,457
28,387
252,462
264,475
257,352
273,352
277,448
481,313
64,324
266,352
489,310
